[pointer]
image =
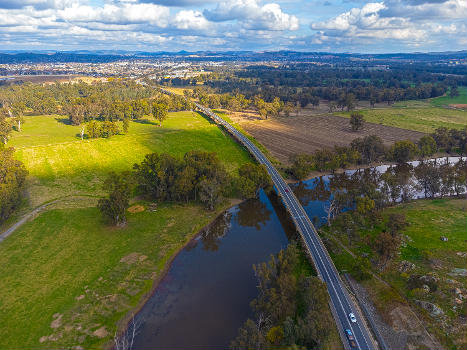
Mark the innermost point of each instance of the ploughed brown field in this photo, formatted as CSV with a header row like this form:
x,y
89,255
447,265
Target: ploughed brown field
x,y
284,137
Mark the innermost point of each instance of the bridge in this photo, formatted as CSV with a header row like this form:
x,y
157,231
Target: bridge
x,y
340,302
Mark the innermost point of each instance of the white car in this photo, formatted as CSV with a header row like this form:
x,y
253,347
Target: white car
x,y
352,317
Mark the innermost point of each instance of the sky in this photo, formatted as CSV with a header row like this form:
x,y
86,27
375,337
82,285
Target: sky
x,y
257,25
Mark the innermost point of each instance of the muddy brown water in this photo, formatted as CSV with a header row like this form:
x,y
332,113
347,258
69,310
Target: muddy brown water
x,y
205,297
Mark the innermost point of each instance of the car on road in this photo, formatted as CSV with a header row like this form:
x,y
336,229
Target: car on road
x,y
352,317
350,338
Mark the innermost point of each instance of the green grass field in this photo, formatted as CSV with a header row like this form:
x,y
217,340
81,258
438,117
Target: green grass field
x,y
418,119
67,262
446,100
67,253
61,164
428,221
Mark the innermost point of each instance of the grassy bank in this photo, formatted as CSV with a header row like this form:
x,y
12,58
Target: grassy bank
x,y
441,262
414,118
61,164
67,278
69,264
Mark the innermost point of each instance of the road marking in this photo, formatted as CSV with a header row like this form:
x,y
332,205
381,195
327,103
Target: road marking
x,y
305,225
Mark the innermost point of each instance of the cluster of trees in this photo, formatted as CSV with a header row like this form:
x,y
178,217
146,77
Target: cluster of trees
x,y
95,129
199,176
370,149
12,180
238,102
368,191
85,109
51,98
288,312
111,101
302,84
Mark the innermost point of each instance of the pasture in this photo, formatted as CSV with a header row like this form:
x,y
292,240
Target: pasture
x,y
67,277
62,164
419,119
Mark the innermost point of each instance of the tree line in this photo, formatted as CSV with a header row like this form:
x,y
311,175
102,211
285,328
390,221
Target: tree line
x,y
12,181
368,191
288,312
199,176
370,149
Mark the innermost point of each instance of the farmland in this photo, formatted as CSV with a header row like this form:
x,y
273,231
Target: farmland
x,y
421,119
61,164
67,276
284,137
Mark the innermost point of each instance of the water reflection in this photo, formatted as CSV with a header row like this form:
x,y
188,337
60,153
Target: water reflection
x,y
206,295
253,213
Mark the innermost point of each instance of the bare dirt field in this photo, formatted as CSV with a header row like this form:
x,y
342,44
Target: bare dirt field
x,y
284,137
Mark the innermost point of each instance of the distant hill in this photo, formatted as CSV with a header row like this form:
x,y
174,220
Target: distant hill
x,y
101,56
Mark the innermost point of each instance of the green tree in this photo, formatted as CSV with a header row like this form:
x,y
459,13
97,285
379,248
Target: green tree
x,y
252,178
126,125
427,146
356,121
93,129
114,206
403,151
5,129
12,180
159,112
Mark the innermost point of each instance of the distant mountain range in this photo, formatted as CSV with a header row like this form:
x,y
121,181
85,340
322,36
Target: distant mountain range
x,y
100,56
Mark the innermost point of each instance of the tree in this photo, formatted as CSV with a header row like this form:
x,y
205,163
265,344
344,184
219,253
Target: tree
x,y
126,125
350,101
159,112
356,121
210,193
287,308
5,129
370,147
454,92
301,166
93,129
396,223
17,110
365,205
12,180
386,246
428,176
403,151
441,137
114,206
427,146
252,178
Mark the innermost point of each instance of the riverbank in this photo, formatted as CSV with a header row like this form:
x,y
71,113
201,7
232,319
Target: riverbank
x,y
124,323
315,174
95,274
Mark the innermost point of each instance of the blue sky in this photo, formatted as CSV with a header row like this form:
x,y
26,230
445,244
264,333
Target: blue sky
x,y
172,25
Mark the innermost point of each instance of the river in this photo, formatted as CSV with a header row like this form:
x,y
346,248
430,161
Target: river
x,y
204,298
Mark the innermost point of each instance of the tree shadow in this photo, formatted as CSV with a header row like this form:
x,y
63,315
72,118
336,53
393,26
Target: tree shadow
x,y
63,120
145,121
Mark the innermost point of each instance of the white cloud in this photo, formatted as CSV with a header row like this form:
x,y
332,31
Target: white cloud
x,y
189,19
124,14
410,24
253,16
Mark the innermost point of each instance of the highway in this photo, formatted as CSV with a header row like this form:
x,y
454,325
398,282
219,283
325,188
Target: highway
x,y
339,297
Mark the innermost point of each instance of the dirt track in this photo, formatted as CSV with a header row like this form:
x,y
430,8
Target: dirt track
x,y
304,134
